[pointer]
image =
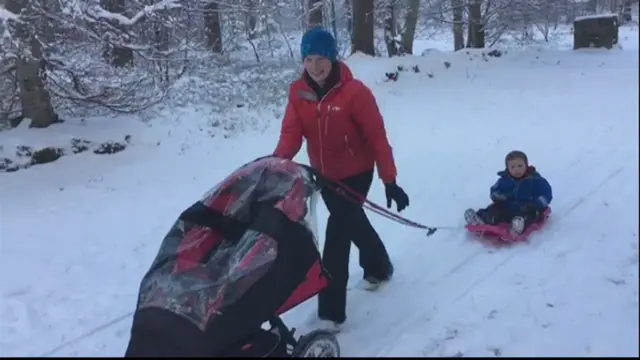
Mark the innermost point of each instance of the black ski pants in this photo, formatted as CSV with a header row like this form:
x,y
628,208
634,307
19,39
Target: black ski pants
x,y
348,223
498,212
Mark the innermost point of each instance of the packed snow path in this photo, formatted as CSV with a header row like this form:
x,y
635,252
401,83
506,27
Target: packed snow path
x,y
77,235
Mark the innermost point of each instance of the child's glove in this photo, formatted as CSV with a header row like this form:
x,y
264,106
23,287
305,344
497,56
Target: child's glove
x,y
497,197
529,209
541,202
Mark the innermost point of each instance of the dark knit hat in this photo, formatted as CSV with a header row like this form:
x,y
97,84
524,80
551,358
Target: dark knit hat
x,y
318,41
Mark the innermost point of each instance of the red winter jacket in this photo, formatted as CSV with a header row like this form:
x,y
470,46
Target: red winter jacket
x,y
344,130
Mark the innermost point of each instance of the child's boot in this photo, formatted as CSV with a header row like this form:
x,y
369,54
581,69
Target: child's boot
x,y
472,217
517,225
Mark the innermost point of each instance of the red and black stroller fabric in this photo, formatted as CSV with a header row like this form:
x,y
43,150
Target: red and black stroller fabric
x,y
247,251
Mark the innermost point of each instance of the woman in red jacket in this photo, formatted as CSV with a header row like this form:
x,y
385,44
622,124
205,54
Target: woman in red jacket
x,y
338,117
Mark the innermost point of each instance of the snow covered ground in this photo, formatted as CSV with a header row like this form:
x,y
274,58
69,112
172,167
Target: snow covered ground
x,y
77,235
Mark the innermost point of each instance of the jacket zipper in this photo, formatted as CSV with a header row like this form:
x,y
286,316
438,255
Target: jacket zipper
x,y
320,136
326,125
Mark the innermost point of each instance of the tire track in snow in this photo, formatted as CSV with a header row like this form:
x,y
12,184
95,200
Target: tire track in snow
x,y
88,334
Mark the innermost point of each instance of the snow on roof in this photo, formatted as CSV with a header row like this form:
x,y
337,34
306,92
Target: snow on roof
x,y
596,16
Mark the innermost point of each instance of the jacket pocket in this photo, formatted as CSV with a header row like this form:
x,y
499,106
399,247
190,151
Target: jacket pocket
x,y
346,143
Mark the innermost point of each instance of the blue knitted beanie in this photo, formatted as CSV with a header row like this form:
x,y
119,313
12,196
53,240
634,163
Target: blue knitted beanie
x,y
318,41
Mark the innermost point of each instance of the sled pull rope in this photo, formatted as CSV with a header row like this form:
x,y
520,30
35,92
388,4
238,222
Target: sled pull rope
x,y
357,198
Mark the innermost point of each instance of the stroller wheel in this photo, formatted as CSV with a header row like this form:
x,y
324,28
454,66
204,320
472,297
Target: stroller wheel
x,y
318,343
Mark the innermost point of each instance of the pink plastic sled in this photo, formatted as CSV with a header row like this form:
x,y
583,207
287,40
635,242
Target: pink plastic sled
x,y
501,231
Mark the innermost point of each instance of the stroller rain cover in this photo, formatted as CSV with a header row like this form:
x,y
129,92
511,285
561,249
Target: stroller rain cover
x,y
211,262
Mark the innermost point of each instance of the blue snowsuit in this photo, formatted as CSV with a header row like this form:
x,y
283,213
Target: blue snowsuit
x,y
532,189
526,197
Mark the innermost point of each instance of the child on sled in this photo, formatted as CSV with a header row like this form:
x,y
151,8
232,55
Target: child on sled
x,y
519,196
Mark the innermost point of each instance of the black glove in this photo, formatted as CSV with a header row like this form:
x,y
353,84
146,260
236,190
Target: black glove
x,y
530,209
395,193
497,197
320,180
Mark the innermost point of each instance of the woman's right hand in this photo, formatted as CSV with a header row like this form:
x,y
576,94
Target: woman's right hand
x,y
395,193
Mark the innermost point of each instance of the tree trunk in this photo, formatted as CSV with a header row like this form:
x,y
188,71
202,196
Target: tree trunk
x,y
34,98
315,13
117,56
46,29
363,27
162,35
476,25
458,26
390,29
410,23
334,23
212,27
348,5
162,38
251,21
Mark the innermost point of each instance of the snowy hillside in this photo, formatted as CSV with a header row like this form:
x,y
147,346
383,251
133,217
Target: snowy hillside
x,y
76,235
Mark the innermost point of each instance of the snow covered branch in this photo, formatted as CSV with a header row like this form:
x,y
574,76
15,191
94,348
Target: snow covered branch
x,y
96,12
6,14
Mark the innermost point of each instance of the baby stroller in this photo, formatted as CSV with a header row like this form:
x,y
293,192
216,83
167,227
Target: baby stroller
x,y
242,256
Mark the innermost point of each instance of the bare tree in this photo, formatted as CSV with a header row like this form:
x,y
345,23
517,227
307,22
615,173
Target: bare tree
x,y
28,63
410,23
117,55
363,22
334,22
251,19
390,34
213,27
315,12
476,30
348,7
457,8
